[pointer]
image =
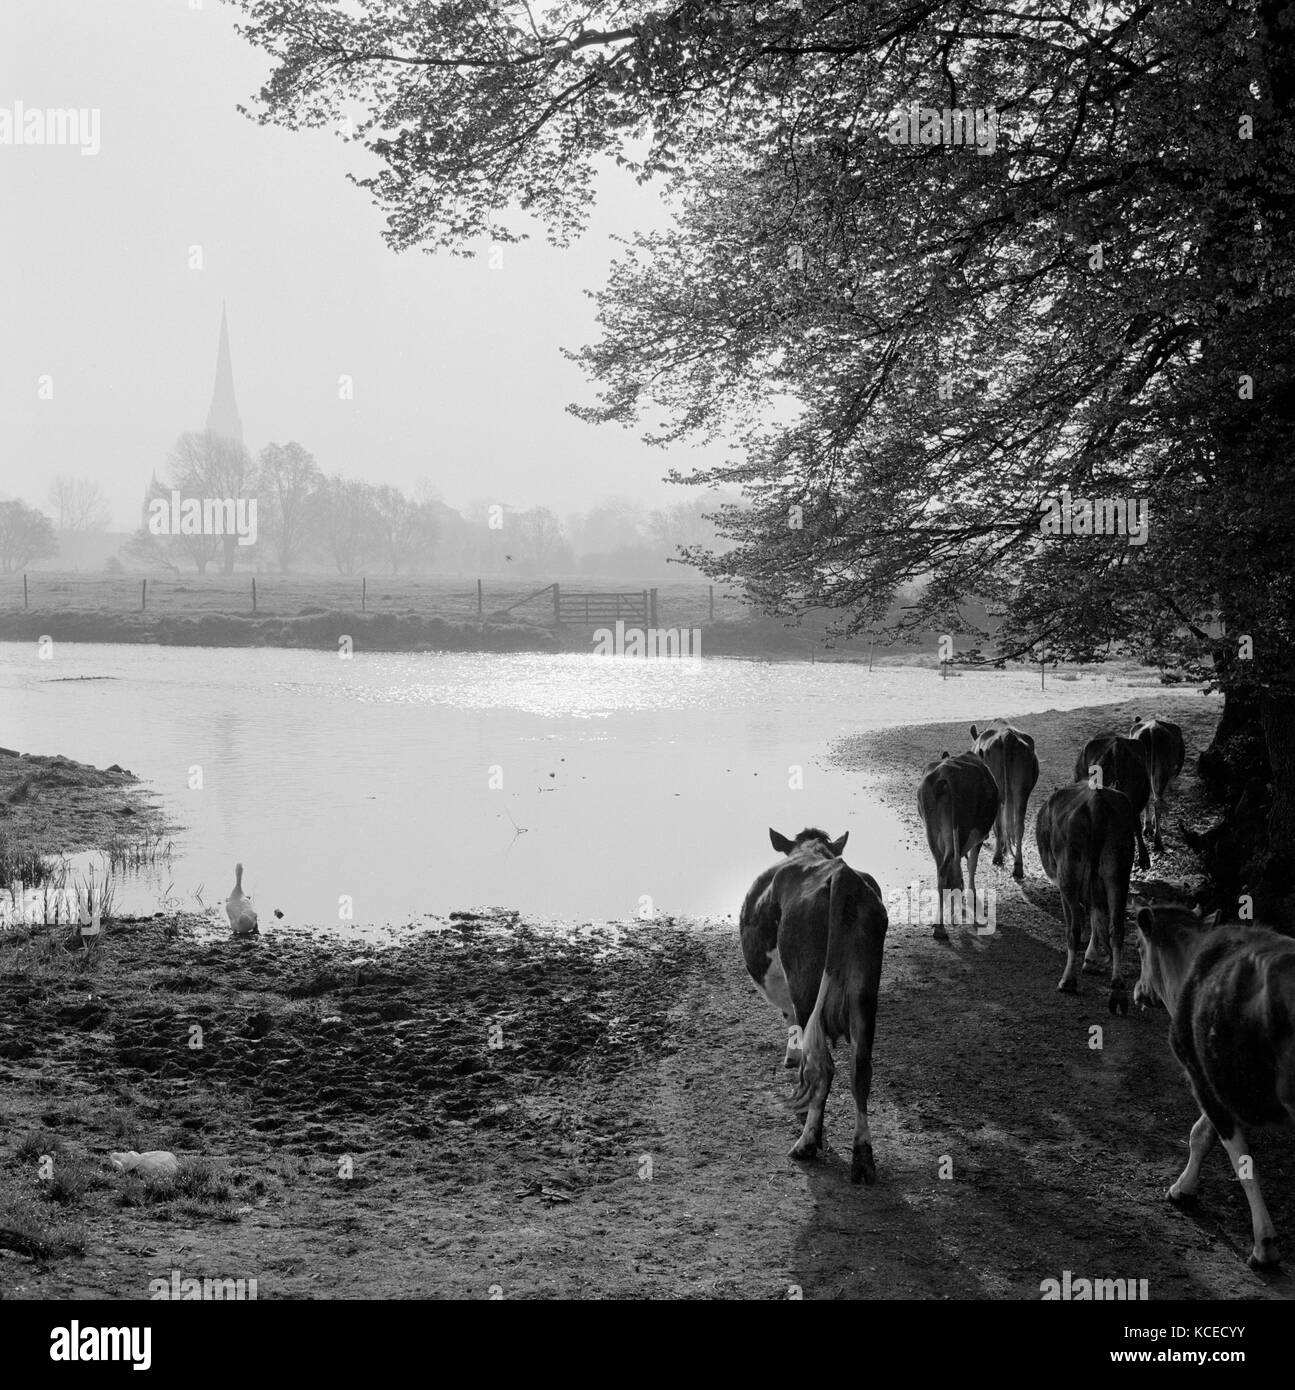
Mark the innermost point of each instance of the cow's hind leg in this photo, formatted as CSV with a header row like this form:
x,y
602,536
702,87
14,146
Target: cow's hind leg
x,y
1000,833
1018,831
1204,1136
1144,859
811,1137
862,1166
1069,982
1097,956
1264,1255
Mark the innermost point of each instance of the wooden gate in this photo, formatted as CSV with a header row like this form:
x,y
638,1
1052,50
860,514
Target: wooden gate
x,y
575,606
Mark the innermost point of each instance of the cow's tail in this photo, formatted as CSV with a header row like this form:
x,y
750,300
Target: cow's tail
x,y
831,1012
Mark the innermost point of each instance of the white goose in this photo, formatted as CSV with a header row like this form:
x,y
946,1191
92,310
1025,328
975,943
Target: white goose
x,y
242,915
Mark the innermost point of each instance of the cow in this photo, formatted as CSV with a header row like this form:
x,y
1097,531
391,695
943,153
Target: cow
x,y
1164,749
812,932
1085,836
1110,760
957,800
1011,758
1230,993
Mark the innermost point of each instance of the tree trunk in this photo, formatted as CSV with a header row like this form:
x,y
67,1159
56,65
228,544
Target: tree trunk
x,y
1238,751
1275,892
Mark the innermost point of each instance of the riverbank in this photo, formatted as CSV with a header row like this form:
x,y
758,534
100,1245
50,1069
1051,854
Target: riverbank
x,y
52,806
492,1105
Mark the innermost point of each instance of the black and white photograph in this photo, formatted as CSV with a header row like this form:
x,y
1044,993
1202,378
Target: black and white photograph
x,y
647,653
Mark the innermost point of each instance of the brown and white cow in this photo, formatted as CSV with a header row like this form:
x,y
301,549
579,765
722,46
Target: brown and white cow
x,y
1085,836
1010,754
1110,760
957,800
1164,749
812,933
1230,992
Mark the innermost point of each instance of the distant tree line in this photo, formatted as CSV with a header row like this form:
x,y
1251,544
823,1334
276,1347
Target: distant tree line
x,y
312,521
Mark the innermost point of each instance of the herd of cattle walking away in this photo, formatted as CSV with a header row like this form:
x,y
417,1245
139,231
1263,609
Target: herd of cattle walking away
x,y
813,930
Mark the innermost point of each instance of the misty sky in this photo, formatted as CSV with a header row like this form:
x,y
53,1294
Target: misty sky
x,y
458,378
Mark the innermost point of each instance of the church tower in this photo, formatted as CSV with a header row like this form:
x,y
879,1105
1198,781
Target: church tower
x,y
223,417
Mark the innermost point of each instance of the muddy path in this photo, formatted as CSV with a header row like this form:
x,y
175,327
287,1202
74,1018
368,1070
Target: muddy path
x,y
628,1140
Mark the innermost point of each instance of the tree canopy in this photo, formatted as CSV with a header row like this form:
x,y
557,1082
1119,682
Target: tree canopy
x,y
919,347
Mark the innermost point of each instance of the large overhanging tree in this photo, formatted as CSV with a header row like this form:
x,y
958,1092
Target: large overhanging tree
x,y
915,347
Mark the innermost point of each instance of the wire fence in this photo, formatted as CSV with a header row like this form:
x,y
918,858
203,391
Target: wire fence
x,y
680,603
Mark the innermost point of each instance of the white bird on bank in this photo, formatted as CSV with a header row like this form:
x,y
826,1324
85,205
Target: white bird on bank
x,y
158,1163
242,915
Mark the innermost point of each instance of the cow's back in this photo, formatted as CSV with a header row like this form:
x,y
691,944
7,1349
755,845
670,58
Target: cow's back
x,y
1164,748
1123,764
966,785
806,893
1086,837
1234,1027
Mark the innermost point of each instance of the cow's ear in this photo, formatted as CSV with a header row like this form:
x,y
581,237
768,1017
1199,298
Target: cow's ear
x,y
836,846
974,734
780,842
944,755
1146,920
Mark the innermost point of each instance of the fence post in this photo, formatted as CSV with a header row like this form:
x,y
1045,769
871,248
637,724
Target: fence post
x,y
653,607
143,593
557,603
254,593
24,591
712,603
478,598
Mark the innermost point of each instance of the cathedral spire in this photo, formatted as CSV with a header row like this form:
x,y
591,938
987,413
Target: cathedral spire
x,y
223,416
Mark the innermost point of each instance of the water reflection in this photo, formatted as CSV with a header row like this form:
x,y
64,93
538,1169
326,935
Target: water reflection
x,y
390,786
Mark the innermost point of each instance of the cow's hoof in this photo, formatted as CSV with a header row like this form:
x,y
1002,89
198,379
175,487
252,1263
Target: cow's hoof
x,y
998,860
939,933
1265,1257
802,1151
1118,1003
862,1167
1184,1201
791,1061
1068,986
1018,872
1144,861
